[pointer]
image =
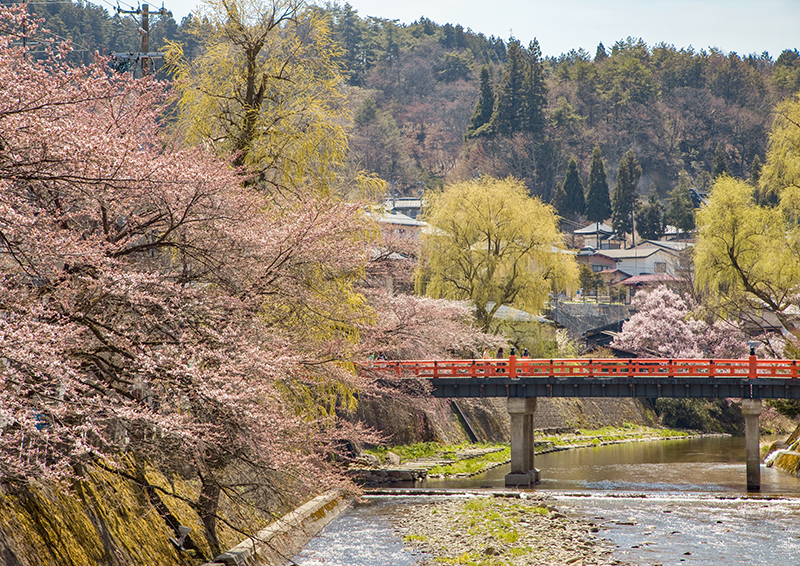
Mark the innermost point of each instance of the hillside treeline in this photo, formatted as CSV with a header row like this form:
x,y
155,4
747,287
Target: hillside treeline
x,y
672,106
417,90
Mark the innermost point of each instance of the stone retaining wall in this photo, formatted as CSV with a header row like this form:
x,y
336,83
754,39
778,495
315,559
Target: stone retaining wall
x,y
277,543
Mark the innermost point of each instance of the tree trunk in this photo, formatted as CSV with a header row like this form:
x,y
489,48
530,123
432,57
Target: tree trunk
x,y
209,501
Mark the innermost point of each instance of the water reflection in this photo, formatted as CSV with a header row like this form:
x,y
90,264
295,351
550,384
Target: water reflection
x,y
708,465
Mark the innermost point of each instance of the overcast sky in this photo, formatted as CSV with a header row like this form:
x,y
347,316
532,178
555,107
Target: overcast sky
x,y
743,26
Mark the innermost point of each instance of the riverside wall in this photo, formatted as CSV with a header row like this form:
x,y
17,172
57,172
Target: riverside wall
x,y
487,419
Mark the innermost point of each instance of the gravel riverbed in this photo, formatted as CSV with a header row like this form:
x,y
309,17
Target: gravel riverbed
x,y
502,530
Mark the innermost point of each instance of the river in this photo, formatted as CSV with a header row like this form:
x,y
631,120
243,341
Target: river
x,y
669,502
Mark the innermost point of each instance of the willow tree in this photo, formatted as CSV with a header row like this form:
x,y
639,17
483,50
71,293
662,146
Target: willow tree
x,y
492,244
748,254
266,88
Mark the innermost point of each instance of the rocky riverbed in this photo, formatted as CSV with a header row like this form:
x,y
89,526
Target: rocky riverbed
x,y
502,530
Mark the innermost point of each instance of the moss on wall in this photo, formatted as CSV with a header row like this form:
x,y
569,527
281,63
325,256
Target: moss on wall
x,y
107,520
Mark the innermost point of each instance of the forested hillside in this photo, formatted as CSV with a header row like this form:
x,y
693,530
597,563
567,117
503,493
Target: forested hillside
x,y
526,115
435,102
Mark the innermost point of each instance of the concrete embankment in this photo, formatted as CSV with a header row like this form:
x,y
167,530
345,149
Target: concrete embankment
x,y
786,455
455,421
278,542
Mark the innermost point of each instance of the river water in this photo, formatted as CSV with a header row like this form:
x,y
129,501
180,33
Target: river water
x,y
668,502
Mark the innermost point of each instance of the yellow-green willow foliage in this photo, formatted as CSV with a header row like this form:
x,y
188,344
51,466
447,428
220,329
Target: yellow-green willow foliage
x,y
748,255
266,88
490,243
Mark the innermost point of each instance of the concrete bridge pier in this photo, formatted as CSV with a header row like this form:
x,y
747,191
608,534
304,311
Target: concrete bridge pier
x,y
751,408
522,471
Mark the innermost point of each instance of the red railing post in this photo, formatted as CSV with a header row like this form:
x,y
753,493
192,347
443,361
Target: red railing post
x,y
512,366
753,371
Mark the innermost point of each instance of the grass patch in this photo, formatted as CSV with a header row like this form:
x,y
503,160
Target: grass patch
x,y
473,465
476,464
425,450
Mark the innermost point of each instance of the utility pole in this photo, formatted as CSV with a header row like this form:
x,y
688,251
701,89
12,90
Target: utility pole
x,y
144,55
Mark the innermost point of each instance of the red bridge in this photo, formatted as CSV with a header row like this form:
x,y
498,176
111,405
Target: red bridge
x,y
750,378
523,380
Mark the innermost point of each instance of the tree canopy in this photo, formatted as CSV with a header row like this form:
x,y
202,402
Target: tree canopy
x,y
598,201
573,189
748,253
492,244
626,194
266,88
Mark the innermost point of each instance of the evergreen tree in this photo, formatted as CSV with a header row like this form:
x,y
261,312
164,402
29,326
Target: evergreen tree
x,y
720,165
755,170
600,55
535,91
482,115
650,217
626,194
681,209
350,36
508,118
573,190
559,201
598,200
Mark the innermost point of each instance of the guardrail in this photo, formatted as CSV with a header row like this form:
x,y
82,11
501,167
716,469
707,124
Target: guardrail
x,y
513,367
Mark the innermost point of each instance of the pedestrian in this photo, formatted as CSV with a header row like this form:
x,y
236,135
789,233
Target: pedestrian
x,y
500,357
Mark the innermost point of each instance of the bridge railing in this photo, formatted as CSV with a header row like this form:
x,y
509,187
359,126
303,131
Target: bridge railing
x,y
513,367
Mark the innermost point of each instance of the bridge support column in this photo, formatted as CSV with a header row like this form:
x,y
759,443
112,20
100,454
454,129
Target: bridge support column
x,y
522,470
751,408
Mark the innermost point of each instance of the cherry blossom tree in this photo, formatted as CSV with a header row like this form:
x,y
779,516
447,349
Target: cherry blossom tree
x,y
152,306
665,325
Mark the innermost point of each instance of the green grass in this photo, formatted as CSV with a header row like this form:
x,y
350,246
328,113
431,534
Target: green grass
x,y
425,450
473,465
627,431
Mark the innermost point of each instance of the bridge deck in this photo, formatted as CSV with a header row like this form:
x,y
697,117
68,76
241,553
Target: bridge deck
x,y
638,377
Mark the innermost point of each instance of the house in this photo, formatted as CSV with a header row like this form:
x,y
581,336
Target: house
x,y
400,224
597,261
699,198
599,236
645,259
410,206
648,281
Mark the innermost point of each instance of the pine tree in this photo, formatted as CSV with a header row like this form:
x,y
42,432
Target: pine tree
x,y
626,194
720,165
681,209
508,118
573,190
755,170
559,201
535,91
482,115
650,217
598,200
600,55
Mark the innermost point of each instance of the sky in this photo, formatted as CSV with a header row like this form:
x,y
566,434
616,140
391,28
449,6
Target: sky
x,y
743,26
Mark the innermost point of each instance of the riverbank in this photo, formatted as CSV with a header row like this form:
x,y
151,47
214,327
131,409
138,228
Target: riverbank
x,y
502,529
434,460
